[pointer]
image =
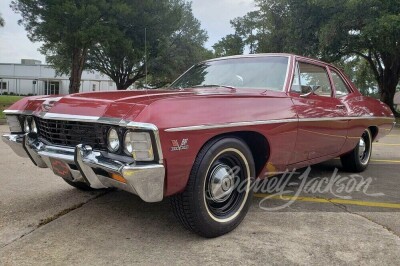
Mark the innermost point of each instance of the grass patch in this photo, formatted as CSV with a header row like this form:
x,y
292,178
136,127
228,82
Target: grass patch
x,y
6,101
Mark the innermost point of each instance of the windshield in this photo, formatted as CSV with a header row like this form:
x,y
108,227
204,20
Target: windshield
x,y
268,73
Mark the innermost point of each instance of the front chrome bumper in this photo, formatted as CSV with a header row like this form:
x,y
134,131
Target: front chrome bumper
x,y
92,167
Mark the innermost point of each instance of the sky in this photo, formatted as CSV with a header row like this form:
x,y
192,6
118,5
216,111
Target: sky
x,y
214,16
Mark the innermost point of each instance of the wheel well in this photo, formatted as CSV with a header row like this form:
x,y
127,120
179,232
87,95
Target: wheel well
x,y
257,143
374,132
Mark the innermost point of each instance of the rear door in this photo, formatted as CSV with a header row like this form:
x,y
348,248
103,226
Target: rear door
x,y
322,124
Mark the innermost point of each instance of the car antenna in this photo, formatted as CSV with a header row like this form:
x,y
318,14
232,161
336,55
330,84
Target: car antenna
x,y
145,55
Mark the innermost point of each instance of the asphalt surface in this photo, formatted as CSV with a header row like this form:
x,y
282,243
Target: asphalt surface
x,y
45,221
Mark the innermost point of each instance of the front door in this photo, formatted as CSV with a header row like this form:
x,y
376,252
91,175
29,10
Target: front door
x,y
322,128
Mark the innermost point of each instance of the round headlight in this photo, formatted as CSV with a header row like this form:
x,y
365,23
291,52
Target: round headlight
x,y
128,144
113,140
33,126
27,127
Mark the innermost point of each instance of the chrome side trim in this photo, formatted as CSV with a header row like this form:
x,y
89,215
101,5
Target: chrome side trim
x,y
235,124
268,122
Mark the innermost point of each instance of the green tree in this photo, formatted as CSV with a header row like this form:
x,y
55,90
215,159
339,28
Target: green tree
x,y
181,50
371,30
174,41
332,31
68,30
230,45
361,74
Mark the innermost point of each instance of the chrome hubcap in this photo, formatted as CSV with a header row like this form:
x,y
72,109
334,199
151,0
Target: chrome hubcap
x,y
362,148
221,183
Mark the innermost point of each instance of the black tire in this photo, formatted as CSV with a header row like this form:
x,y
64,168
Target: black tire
x,y
212,209
358,159
79,185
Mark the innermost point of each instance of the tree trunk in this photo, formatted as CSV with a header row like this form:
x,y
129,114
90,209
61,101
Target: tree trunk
x,y
388,83
78,63
124,82
387,96
124,85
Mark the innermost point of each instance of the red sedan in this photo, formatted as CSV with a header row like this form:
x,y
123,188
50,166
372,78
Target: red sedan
x,y
202,141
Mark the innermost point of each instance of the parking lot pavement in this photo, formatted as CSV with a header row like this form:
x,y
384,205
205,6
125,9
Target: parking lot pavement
x,y
44,221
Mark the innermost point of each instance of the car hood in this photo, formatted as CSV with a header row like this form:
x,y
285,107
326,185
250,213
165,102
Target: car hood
x,y
116,104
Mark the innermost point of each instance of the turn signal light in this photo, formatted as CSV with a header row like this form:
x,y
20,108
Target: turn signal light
x,y
118,178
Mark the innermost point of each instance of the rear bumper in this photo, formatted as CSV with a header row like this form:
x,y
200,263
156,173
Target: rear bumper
x,y
92,167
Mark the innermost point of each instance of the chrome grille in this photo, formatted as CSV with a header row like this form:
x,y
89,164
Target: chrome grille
x,y
72,133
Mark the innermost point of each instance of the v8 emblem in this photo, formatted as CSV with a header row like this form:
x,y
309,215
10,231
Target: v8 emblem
x,y
179,147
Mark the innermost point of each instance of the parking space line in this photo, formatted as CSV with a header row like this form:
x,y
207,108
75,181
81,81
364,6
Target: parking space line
x,y
385,161
339,201
386,144
379,161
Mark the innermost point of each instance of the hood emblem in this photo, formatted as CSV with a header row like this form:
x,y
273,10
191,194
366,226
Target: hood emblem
x,y
48,103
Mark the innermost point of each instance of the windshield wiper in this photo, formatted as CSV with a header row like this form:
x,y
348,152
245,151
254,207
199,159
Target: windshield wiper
x,y
214,85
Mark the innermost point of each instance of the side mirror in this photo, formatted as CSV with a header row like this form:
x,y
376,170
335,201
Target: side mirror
x,y
312,90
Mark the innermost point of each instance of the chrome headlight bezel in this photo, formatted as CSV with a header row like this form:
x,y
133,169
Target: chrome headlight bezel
x,y
113,140
33,125
139,145
27,124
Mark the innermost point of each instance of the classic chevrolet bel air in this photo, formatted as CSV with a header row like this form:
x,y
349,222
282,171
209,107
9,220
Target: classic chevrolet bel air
x,y
204,139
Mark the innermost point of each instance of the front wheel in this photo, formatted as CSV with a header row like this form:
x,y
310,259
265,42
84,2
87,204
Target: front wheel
x,y
358,159
218,193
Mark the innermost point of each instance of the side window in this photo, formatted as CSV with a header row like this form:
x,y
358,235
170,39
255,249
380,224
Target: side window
x,y
312,76
340,85
296,81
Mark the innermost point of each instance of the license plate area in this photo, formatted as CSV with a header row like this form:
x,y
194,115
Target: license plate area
x,y
61,169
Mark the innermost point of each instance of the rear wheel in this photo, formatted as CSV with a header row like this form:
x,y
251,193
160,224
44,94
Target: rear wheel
x,y
218,194
358,159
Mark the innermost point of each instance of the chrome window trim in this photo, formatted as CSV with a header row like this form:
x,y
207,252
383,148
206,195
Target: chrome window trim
x,y
287,78
289,57
268,122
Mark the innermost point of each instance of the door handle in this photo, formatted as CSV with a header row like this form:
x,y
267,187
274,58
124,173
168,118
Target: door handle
x,y
340,106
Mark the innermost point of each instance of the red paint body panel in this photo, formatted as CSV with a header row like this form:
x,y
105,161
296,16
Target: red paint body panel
x,y
293,142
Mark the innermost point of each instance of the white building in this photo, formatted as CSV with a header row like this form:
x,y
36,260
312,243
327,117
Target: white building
x,y
396,100
32,77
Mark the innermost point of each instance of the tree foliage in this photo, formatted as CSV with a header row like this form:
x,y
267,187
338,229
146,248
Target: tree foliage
x,y
230,45
68,30
109,36
174,41
332,31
